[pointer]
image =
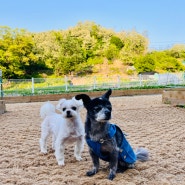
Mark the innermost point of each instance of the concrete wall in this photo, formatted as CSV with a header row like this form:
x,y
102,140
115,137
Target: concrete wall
x,y
174,96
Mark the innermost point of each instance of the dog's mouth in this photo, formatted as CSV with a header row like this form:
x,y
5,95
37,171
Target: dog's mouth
x,y
102,120
103,117
68,114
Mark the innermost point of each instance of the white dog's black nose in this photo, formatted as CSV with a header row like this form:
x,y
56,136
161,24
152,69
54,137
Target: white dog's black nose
x,y
68,114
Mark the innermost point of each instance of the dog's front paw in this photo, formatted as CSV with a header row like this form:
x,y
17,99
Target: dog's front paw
x,y
44,151
53,148
61,163
111,176
78,158
91,172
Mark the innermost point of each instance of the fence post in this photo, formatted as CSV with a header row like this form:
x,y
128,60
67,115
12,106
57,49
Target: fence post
x,y
118,81
66,83
140,79
32,87
94,83
1,84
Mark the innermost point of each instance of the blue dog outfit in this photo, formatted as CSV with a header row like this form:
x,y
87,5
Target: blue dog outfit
x,y
126,153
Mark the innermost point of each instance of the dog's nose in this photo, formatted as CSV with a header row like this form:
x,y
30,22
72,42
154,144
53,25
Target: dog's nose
x,y
68,112
107,113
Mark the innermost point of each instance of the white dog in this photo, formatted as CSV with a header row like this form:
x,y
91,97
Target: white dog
x,y
65,128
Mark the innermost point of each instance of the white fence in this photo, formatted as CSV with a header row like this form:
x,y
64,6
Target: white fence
x,y
23,87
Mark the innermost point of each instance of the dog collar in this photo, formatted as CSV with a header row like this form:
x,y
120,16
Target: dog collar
x,y
103,140
110,135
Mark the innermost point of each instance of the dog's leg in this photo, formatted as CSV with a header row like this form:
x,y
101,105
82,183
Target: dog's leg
x,y
53,141
59,151
79,148
95,160
113,165
43,139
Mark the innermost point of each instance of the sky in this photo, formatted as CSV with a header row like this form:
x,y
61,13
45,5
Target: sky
x,y
162,21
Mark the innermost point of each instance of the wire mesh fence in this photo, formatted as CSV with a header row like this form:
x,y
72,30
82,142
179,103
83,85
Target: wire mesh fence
x,y
39,86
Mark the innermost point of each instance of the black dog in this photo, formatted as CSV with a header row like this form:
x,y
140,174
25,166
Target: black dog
x,y
105,140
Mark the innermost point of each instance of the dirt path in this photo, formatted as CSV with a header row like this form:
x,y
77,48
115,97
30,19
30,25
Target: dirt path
x,y
158,127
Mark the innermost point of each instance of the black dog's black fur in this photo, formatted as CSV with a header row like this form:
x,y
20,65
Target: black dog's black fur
x,y
96,128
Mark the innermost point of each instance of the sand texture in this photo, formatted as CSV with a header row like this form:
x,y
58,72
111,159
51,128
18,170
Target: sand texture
x,y
147,121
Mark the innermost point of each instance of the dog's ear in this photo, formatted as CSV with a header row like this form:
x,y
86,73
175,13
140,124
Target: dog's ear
x,y
79,103
84,97
107,94
60,102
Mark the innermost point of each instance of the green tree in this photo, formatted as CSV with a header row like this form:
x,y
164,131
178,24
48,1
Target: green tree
x,y
170,64
135,45
112,52
17,53
165,62
145,64
178,51
71,55
48,47
117,42
79,49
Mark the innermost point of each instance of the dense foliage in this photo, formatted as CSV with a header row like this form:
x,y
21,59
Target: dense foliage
x,y
78,50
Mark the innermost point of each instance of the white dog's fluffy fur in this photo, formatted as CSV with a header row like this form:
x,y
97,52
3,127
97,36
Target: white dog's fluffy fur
x,y
65,128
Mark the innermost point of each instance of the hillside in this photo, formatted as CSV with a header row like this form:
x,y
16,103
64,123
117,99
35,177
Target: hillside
x,y
85,49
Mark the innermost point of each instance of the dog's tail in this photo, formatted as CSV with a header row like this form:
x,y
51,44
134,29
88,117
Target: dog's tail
x,y
142,154
47,109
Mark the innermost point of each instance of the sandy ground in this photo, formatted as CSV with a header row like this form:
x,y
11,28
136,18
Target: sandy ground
x,y
158,127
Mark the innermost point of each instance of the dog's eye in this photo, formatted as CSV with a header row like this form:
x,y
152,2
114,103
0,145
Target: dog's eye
x,y
97,108
73,108
64,109
109,107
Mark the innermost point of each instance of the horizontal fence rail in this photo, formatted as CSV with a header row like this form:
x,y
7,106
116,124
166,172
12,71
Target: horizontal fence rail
x,y
39,86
